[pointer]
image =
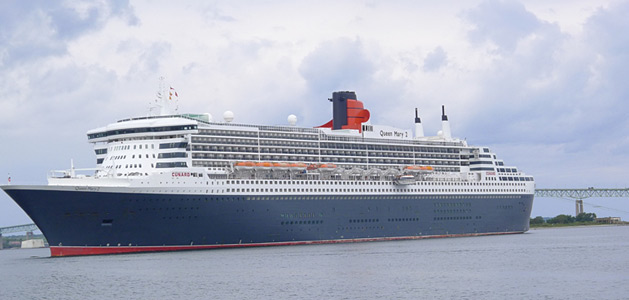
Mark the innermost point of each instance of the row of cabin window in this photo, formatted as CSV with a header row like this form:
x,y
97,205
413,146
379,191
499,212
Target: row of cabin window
x,y
455,218
140,130
292,136
236,141
224,163
452,211
516,178
284,150
323,159
157,165
255,150
368,197
331,182
368,190
159,155
255,134
324,145
300,144
128,147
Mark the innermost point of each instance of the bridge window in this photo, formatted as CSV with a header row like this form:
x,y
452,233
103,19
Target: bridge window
x,y
173,145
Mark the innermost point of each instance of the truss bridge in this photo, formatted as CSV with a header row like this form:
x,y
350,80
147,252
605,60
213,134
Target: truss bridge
x,y
579,194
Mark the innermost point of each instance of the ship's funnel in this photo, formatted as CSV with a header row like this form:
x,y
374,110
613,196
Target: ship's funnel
x,y
445,125
419,128
347,112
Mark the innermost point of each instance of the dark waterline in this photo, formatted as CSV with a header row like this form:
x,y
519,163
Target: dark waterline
x,y
562,263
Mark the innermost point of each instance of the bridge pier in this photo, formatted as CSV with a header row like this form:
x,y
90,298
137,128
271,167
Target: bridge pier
x,y
579,206
29,228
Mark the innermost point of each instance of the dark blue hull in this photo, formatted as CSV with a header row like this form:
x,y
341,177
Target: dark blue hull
x,y
102,219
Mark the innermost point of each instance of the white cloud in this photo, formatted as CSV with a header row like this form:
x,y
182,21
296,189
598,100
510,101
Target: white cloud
x,y
36,29
435,60
502,23
338,64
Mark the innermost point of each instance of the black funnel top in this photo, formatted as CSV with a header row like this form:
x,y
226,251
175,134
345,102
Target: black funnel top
x,y
443,113
339,108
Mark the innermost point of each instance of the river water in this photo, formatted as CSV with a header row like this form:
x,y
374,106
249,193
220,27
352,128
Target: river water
x,y
559,263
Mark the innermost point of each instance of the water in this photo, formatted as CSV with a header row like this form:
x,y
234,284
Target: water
x,y
561,263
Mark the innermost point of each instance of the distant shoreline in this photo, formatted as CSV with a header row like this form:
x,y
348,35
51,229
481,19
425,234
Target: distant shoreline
x,y
551,226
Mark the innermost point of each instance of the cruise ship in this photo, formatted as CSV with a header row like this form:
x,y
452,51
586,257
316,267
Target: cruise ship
x,y
171,181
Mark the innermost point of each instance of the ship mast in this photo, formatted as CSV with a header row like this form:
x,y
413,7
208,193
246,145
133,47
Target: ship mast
x,y
164,101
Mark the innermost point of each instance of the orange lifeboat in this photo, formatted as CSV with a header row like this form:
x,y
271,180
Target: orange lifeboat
x,y
281,165
418,168
327,167
298,166
244,165
263,165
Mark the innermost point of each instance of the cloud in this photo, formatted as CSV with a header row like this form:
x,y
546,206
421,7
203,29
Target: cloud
x,y
212,13
608,43
355,65
502,23
337,64
533,85
559,99
36,29
150,59
435,60
39,79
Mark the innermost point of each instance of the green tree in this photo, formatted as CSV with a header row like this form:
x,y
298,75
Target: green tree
x,y
561,219
538,220
586,217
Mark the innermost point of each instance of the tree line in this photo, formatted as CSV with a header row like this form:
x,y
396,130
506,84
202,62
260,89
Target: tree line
x,y
565,219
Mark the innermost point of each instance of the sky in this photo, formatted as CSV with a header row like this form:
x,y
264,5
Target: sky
x,y
542,83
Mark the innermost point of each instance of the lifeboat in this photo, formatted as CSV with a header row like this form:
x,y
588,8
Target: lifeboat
x,y
281,166
327,167
263,165
404,179
418,168
298,166
244,165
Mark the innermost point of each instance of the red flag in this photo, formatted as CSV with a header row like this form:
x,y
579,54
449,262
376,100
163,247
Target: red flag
x,y
171,93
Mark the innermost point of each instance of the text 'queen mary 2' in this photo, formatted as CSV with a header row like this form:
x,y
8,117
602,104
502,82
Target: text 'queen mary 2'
x,y
183,181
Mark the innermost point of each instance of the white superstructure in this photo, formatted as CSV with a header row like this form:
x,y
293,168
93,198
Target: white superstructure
x,y
197,155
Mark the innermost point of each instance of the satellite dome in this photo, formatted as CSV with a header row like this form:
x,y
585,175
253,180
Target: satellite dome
x,y
228,116
292,120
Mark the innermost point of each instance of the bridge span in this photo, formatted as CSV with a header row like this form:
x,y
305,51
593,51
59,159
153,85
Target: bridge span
x,y
579,194
18,228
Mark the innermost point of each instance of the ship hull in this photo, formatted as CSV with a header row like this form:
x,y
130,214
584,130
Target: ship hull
x,y
79,222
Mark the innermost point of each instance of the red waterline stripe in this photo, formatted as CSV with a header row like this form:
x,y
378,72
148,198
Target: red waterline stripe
x,y
56,251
